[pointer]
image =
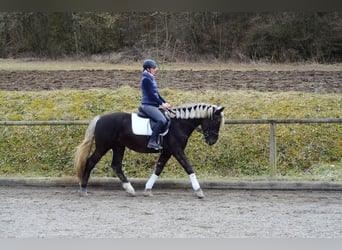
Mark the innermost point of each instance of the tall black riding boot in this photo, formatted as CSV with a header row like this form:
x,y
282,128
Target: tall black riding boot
x,y
153,142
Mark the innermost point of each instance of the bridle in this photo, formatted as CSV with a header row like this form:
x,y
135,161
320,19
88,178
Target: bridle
x,y
205,134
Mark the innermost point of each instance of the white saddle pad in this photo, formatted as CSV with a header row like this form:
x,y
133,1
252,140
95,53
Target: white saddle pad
x,y
142,126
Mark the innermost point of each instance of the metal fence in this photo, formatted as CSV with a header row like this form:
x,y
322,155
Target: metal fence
x,y
272,123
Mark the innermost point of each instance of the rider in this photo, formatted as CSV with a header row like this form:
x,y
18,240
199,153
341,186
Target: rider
x,y
151,100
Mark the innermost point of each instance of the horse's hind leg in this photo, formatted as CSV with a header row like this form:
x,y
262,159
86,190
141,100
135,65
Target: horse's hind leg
x,y
91,162
118,153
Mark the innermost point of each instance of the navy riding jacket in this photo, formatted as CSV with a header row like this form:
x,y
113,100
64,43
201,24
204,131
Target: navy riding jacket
x,y
149,88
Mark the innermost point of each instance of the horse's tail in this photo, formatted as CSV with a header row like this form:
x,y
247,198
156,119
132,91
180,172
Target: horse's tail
x,y
83,150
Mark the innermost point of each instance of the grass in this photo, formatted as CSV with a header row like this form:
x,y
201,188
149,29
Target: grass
x,y
306,151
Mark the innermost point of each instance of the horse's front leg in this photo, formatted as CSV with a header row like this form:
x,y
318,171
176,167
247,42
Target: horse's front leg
x,y
118,154
183,160
163,158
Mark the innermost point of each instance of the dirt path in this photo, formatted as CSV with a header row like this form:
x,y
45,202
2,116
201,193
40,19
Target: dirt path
x,y
62,213
306,81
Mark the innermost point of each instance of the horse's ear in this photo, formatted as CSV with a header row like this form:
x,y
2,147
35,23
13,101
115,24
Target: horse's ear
x,y
219,110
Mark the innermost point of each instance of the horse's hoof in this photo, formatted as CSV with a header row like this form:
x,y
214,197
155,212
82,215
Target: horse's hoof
x,y
129,189
148,193
199,193
83,192
130,193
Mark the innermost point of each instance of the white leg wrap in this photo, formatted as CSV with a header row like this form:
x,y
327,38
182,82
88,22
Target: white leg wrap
x,y
194,182
151,181
128,187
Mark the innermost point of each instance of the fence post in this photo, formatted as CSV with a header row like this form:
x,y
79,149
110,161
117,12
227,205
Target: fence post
x,y
273,148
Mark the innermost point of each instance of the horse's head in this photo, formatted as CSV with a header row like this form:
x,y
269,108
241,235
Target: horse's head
x,y
210,117
211,126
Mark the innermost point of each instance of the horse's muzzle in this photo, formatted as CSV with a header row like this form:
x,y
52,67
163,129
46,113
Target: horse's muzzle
x,y
211,141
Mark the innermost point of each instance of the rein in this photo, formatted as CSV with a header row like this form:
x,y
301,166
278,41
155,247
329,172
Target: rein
x,y
171,111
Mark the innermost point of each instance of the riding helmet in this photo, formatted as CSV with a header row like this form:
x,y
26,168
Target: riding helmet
x,y
148,63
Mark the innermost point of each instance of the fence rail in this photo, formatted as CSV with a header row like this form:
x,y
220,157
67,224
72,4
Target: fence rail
x,y
40,123
255,121
271,122
273,132
268,121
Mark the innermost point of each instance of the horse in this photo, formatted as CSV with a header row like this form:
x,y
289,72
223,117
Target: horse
x,y
114,132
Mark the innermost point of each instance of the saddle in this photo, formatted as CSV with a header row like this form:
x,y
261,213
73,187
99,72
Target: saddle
x,y
143,125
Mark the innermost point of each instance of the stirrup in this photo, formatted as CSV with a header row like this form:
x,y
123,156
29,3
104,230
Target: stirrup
x,y
154,145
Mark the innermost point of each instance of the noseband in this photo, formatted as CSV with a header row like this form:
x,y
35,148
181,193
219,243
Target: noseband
x,y
200,130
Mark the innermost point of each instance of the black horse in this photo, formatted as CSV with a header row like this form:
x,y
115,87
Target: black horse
x,y
114,131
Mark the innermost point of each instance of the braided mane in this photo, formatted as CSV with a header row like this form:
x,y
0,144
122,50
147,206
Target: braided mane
x,y
192,111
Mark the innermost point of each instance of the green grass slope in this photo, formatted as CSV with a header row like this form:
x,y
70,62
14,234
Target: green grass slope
x,y
305,151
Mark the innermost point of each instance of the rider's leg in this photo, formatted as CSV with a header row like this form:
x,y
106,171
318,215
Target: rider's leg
x,y
153,142
155,114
